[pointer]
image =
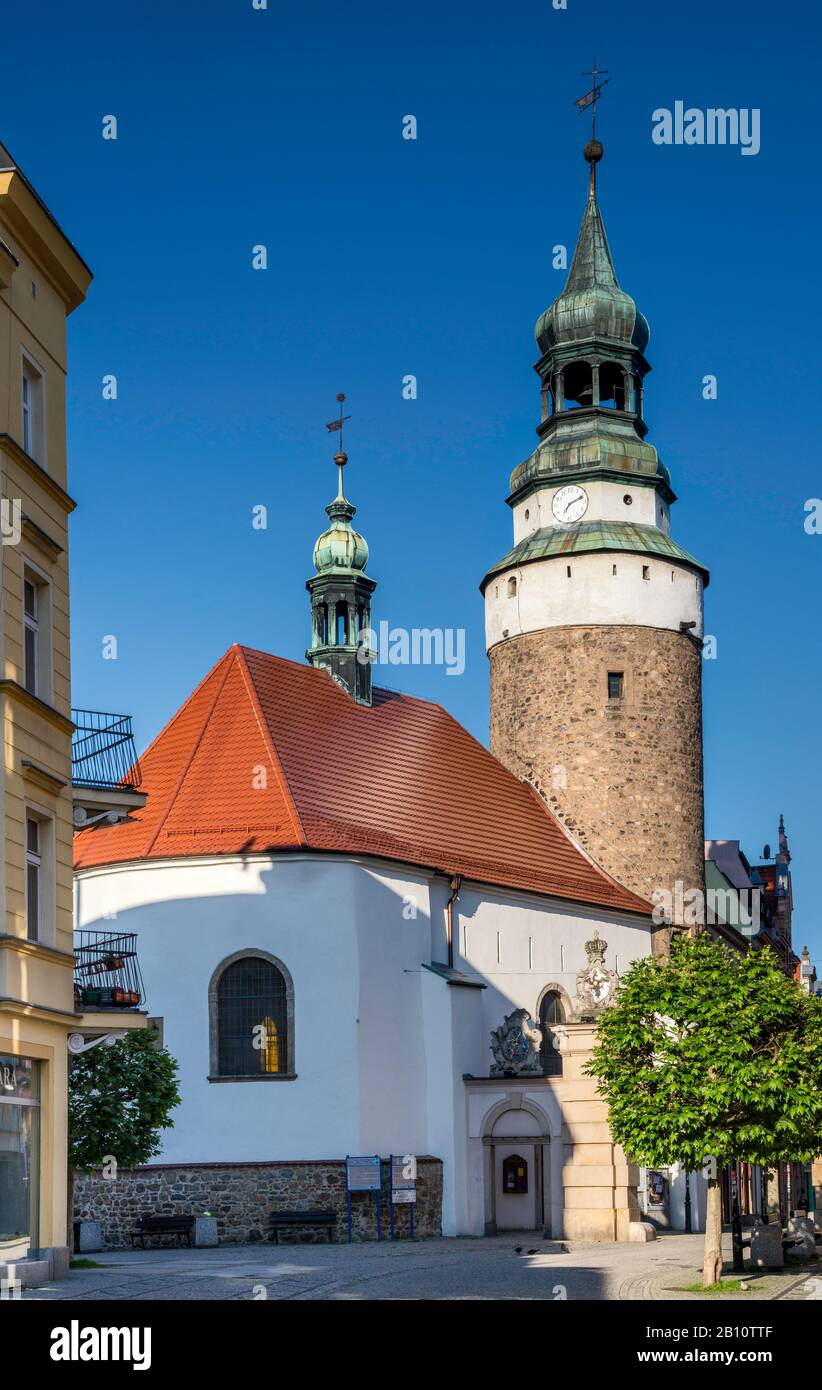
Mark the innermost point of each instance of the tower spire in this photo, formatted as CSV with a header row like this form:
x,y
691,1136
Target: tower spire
x,y
341,591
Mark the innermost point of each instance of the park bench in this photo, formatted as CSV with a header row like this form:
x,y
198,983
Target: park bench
x,y
289,1220
178,1226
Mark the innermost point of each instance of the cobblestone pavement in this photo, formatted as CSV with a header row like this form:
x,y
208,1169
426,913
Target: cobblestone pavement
x,y
518,1266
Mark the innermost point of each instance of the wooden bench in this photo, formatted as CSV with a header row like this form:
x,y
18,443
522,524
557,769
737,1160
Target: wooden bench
x,y
295,1219
178,1226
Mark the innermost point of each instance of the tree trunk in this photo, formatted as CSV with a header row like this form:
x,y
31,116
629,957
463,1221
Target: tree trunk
x,y
712,1267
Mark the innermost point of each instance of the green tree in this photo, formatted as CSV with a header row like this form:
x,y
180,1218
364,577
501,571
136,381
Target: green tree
x,y
120,1099
708,1057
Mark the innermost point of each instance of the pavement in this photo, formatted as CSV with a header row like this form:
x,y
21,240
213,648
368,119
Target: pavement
x,y
519,1265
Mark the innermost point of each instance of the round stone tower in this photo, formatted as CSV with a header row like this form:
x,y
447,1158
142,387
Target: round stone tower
x,y
594,619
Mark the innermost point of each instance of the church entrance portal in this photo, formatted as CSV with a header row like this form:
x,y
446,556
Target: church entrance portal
x,y
517,1167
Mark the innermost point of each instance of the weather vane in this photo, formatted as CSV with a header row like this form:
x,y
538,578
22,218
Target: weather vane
x,y
591,98
338,424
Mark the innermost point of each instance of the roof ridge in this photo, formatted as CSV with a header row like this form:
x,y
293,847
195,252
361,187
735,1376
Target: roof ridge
x,y
164,815
186,702
262,723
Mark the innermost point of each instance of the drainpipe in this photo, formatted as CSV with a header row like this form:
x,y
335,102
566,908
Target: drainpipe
x,y
456,883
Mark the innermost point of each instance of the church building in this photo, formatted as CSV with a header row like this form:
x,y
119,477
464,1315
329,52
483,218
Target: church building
x,y
404,951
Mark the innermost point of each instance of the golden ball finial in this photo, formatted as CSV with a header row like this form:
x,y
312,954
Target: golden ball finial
x,y
594,150
341,459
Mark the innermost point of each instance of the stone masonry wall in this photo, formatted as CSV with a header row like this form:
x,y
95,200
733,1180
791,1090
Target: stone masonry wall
x,y
241,1196
624,776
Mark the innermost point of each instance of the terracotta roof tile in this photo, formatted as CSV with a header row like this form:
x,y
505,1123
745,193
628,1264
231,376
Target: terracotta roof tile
x,y
268,754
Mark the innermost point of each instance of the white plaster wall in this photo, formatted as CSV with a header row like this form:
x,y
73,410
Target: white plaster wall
x,y
539,942
355,963
606,502
593,595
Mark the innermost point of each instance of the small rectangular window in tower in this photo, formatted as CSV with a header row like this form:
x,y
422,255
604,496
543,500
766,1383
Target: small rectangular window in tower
x,y
616,685
568,571
512,588
613,569
646,573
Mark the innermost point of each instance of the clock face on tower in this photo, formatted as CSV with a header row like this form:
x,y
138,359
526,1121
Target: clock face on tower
x,y
570,503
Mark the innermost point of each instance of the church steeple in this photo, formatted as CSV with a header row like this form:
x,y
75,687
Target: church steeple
x,y
341,597
594,619
592,337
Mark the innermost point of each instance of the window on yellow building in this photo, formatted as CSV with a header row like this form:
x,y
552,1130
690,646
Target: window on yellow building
x,y
34,866
33,414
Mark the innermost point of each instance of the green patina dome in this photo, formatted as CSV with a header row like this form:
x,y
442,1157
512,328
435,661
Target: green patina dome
x,y
340,547
592,305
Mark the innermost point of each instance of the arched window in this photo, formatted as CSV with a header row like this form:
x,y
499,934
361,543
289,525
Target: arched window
x,y
550,1011
579,385
251,1018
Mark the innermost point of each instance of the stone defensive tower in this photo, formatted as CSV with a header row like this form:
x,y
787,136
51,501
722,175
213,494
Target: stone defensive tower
x,y
594,619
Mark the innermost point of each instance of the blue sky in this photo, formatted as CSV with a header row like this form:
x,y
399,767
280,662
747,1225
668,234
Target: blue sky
x,y
433,257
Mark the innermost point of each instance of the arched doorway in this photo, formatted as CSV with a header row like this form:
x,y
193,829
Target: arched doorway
x,y
517,1171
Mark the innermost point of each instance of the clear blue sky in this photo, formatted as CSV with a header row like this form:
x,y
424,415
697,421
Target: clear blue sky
x,y
432,257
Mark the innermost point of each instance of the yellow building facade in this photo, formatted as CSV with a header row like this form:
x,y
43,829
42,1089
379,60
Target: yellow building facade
x,y
42,280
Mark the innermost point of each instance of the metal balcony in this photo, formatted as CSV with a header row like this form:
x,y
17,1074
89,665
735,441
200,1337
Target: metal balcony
x,y
106,971
103,754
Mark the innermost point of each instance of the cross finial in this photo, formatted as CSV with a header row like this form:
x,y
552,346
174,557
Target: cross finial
x,y
338,425
591,98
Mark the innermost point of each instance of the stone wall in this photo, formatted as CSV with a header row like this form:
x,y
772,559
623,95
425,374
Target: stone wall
x,y
624,776
241,1196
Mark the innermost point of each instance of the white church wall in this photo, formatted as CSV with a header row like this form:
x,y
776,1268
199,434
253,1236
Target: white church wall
x,y
519,944
189,916
393,926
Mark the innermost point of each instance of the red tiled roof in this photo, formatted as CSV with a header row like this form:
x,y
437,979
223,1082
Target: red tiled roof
x,y
400,780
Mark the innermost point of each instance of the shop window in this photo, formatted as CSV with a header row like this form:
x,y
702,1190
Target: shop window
x,y
19,1152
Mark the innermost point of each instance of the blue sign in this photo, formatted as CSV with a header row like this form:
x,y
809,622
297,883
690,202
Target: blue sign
x,y
363,1174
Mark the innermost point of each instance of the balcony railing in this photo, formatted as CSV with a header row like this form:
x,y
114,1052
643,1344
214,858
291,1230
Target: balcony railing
x,y
103,752
106,971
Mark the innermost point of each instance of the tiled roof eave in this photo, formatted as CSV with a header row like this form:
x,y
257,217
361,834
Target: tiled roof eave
x,y
480,875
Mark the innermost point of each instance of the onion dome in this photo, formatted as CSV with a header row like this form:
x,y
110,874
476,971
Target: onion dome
x,y
592,305
340,547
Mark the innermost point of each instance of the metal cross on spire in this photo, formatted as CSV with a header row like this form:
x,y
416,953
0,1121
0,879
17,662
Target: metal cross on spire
x,y
338,424
591,98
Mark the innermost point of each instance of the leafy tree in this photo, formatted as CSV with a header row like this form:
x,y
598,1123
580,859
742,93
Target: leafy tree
x,y
711,1055
120,1098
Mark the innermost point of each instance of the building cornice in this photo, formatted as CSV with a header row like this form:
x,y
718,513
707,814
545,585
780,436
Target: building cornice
x,y
29,465
33,702
37,536
24,947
